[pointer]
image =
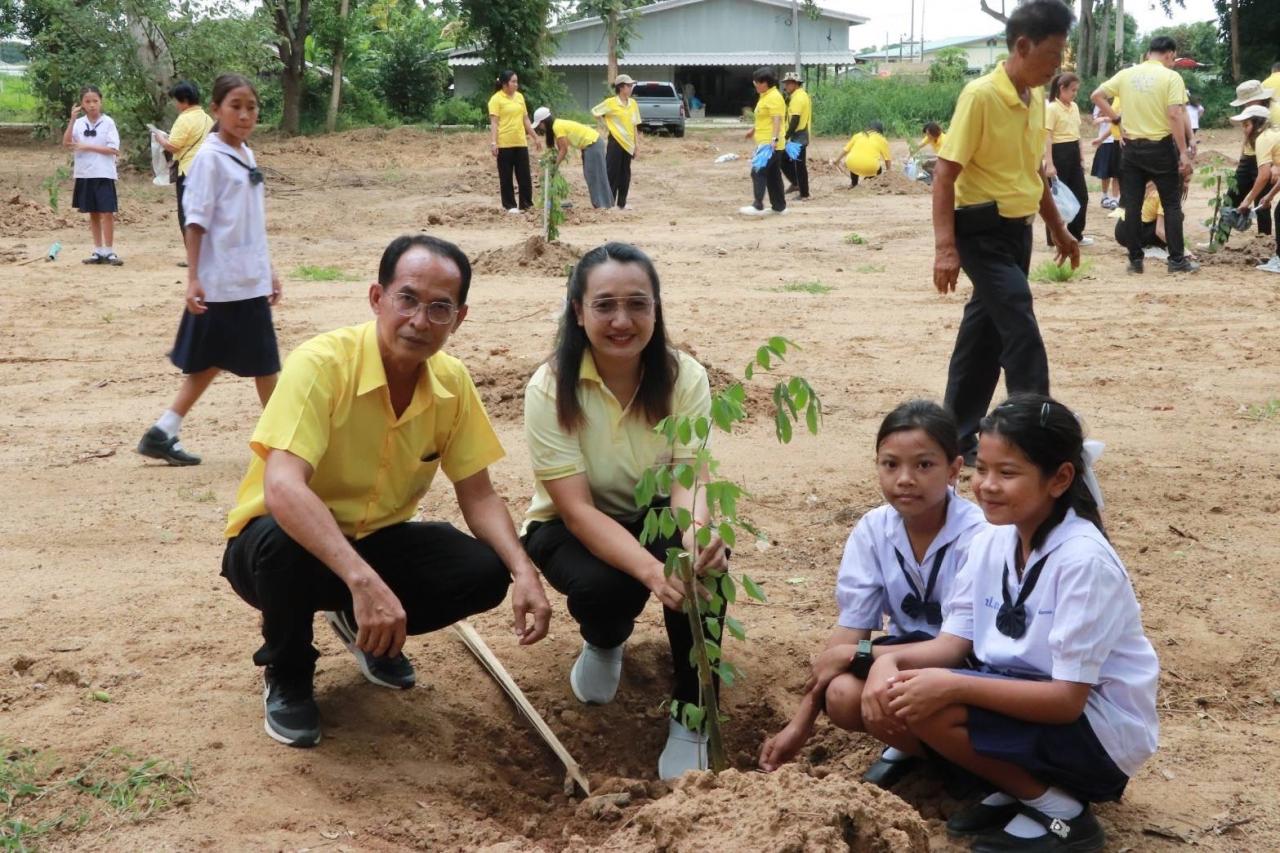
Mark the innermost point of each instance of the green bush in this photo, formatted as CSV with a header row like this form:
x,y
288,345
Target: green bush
x,y
949,66
457,111
903,104
17,103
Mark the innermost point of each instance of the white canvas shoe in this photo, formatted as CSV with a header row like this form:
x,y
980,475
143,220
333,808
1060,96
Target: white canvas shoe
x,y
750,210
1086,241
595,674
685,750
1272,265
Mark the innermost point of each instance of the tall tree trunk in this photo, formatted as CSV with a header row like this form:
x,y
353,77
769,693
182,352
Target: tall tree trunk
x,y
1119,51
292,49
153,54
339,56
1100,64
1084,56
611,29
1236,76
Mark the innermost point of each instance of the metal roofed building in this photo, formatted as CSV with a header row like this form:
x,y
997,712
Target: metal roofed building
x,y
982,51
708,48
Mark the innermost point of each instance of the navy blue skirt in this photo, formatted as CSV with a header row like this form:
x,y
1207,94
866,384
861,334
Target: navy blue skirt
x,y
1106,161
234,336
94,195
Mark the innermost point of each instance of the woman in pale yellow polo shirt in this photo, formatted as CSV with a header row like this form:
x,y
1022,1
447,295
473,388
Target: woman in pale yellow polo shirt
x,y
1062,157
562,134
621,117
510,131
589,414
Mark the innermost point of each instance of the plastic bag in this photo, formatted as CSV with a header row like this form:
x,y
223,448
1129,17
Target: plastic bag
x,y
1065,200
794,149
911,169
159,166
760,160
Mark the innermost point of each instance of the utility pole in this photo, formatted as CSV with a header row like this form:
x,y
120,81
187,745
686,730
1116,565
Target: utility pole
x,y
911,55
795,30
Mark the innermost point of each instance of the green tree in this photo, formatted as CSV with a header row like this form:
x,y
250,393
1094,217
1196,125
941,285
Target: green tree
x,y
512,34
619,18
292,22
407,58
949,66
1251,29
1200,40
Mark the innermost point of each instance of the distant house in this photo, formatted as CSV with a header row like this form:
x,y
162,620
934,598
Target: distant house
x,y
982,51
708,48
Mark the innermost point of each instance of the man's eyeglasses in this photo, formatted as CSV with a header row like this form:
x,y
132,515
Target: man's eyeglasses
x,y
635,306
406,305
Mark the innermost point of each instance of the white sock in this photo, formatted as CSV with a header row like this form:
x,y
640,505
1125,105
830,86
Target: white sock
x,y
894,754
170,422
100,250
999,798
1054,802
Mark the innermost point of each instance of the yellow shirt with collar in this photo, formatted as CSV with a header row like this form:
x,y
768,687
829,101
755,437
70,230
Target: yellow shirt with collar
x,y
1267,146
188,134
768,107
866,153
612,448
579,135
511,112
927,141
998,141
1148,89
620,119
1273,83
332,408
799,104
1063,121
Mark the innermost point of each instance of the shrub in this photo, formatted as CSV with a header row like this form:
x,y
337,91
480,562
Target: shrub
x,y
903,104
457,111
949,66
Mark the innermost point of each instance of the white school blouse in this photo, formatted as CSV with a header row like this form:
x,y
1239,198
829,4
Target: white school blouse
x,y
91,164
234,262
871,584
1083,625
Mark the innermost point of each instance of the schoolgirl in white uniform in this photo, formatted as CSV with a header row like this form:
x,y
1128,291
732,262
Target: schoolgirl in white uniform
x,y
96,143
900,563
231,284
1062,711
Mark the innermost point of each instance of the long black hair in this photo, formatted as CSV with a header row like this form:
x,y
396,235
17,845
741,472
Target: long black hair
x,y
549,130
926,415
657,360
503,78
1048,434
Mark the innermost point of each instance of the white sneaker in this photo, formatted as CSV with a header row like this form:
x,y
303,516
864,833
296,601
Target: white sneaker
x,y
515,210
685,750
1272,265
1086,241
750,210
595,674
782,212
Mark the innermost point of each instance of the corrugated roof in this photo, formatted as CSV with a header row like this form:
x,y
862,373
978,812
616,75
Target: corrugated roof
x,y
600,60
891,51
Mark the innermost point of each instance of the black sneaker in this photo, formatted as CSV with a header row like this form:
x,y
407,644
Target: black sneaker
x,y
156,445
1081,834
395,672
1135,267
980,818
1184,265
292,716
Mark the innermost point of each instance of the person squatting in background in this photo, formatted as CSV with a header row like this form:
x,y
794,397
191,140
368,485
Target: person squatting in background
x,y
96,143
1251,93
1267,184
866,154
561,134
1153,234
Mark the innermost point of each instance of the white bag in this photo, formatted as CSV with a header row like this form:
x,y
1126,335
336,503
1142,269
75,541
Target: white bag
x,y
1065,200
159,166
911,169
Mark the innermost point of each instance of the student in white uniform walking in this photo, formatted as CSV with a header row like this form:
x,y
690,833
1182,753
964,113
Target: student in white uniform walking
x,y
1062,711
231,284
901,563
96,143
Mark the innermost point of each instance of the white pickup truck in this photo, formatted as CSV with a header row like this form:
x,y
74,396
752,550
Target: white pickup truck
x,y
660,106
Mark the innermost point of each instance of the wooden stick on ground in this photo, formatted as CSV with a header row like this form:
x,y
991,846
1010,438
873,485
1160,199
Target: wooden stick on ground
x,y
481,650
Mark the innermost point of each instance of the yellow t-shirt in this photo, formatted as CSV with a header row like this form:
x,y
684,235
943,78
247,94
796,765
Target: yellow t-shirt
x,y
1151,207
998,141
866,153
612,448
768,107
187,135
1148,90
799,104
511,113
1267,147
926,142
332,408
579,135
1063,121
620,119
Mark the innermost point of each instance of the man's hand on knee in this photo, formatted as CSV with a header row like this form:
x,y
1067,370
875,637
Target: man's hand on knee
x,y
380,616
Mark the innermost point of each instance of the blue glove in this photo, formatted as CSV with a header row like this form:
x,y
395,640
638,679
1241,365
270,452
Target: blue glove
x,y
760,159
794,149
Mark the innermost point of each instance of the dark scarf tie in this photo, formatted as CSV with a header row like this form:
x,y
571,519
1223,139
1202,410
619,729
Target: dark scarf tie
x,y
255,176
914,604
1011,618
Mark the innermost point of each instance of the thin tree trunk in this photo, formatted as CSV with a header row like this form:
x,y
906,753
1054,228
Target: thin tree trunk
x,y
1100,64
1084,56
291,47
1236,75
339,57
611,28
1119,51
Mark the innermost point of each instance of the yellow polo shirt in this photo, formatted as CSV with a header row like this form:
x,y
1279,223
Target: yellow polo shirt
x,y
1267,147
187,135
867,152
579,135
333,409
927,142
511,112
768,107
1063,121
620,119
998,141
612,448
1148,90
800,105
1273,83
1151,208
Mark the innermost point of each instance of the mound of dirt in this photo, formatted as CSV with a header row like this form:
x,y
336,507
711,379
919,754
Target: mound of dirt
x,y
893,182
501,384
786,810
1244,254
533,255
20,216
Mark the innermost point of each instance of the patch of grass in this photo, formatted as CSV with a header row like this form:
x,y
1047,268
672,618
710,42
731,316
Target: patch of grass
x,y
1048,272
1263,412
868,268
816,288
853,238
17,103
204,496
108,317
307,272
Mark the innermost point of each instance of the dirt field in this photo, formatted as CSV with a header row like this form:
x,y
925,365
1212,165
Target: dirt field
x,y
109,564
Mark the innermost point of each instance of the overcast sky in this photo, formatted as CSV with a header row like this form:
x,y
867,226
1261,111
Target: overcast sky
x,y
948,18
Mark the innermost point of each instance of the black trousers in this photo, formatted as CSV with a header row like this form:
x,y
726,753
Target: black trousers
x,y
182,216
606,601
1246,174
770,179
999,327
797,171
439,574
1143,160
617,164
514,162
1070,166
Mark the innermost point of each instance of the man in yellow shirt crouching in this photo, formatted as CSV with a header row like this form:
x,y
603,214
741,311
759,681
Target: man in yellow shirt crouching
x,y
348,444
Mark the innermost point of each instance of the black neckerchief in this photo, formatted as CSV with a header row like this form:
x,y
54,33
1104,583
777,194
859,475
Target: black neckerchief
x,y
90,131
916,605
1011,619
255,176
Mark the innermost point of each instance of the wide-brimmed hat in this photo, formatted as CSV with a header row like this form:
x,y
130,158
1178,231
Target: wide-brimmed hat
x,y
1255,111
792,77
1250,90
540,115
623,78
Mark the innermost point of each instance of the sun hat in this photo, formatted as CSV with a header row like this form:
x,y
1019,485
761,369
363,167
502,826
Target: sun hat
x,y
1255,111
1250,90
623,78
540,115
792,77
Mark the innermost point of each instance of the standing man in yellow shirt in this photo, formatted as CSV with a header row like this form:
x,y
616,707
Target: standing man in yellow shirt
x,y
362,419
1154,126
799,118
987,187
769,112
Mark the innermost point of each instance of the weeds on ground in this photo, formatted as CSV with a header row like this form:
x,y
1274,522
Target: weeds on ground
x,y
1264,412
853,238
817,288
53,185
1050,272
870,268
307,272
203,496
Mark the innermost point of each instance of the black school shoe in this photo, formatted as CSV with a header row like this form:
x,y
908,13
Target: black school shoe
x,y
885,773
1185,265
980,818
395,672
1081,834
155,444
1135,267
291,714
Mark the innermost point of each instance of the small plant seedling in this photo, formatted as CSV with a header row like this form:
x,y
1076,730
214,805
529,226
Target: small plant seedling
x,y
306,272
108,317
1050,272
1221,179
794,402
1264,412
853,238
817,288
53,185
555,190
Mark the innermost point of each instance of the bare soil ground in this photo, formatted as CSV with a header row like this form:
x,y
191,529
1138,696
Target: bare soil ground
x,y
109,564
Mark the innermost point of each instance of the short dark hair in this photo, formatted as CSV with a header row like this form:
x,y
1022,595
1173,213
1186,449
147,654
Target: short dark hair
x,y
875,127
765,75
933,129
440,248
1275,66
1037,20
926,415
1162,44
186,92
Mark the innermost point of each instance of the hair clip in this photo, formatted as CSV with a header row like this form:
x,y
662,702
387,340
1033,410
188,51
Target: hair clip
x,y
1044,414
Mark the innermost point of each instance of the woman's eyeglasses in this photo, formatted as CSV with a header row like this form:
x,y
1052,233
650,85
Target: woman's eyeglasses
x,y
634,306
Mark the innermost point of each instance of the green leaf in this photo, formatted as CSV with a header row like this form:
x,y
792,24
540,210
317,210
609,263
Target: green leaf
x,y
750,371
720,414
736,393
782,426
684,474
726,673
714,627
663,479
762,357
800,396
645,489
753,589
730,589
703,536
702,428
726,533
684,431
714,654
693,716
650,530
812,415
667,524
735,628
778,345
684,518
729,500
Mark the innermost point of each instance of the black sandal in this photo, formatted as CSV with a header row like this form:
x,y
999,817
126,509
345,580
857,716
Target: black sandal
x,y
980,818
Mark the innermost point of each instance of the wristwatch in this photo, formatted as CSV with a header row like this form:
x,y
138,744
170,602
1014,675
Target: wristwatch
x,y
860,666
